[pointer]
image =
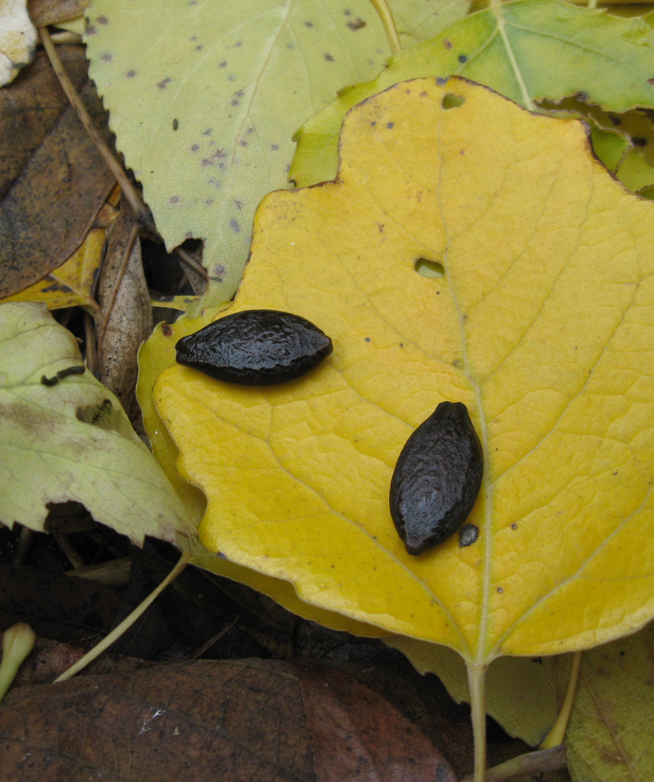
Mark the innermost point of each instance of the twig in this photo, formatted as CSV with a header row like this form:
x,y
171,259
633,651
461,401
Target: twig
x,y
140,209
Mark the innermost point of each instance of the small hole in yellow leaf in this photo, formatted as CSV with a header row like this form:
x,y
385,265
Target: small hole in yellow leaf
x,y
451,101
429,268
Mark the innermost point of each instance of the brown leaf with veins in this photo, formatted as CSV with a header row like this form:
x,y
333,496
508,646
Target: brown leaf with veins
x,y
53,181
235,721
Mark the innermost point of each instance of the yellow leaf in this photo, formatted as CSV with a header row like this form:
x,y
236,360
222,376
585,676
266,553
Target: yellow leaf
x,y
542,325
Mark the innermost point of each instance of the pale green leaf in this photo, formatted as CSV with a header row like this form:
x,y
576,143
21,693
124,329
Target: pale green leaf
x,y
68,438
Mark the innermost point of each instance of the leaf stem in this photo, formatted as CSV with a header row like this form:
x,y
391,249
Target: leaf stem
x,y
477,683
386,15
140,209
555,736
496,7
115,634
530,763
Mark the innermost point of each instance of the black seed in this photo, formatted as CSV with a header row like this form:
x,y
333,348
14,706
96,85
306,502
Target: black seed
x,y
255,348
436,479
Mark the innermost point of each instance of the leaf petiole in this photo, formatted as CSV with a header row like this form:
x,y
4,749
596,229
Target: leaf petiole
x,y
386,15
555,736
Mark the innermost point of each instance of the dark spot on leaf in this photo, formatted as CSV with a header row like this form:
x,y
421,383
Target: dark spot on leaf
x,y
615,120
199,48
166,330
222,64
208,201
514,525
308,24
238,203
163,83
373,123
447,44
174,199
231,77
175,124
91,30
347,12
390,125
328,57
193,38
102,20
106,57
235,102
250,130
638,141
650,81
500,590
207,132
367,339
357,25
235,226
274,146
215,182
195,147
130,74
463,58
238,44
242,142
401,344
441,80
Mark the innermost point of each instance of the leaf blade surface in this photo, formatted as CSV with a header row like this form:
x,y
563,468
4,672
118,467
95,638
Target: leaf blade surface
x,y
540,326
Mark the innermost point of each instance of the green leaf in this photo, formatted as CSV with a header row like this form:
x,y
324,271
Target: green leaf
x,y
66,437
204,98
528,50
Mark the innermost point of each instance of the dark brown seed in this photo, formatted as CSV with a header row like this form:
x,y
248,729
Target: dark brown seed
x,y
437,478
255,348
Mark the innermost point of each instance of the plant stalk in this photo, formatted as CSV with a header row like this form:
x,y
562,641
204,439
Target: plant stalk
x,y
386,16
555,736
477,684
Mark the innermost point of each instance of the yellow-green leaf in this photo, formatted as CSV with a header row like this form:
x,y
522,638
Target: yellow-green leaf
x,y
66,437
528,50
542,325
204,98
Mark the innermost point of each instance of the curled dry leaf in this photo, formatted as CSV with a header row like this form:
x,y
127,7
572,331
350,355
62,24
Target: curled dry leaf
x,y
125,320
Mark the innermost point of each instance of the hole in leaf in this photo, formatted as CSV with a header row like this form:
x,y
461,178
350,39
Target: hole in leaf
x,y
429,268
451,101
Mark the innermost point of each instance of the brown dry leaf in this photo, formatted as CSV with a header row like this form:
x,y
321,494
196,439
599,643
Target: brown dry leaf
x,y
233,721
126,317
45,12
52,179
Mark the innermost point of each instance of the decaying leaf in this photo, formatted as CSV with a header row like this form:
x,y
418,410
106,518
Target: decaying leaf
x,y
44,149
72,283
541,324
243,720
606,59
126,318
63,436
